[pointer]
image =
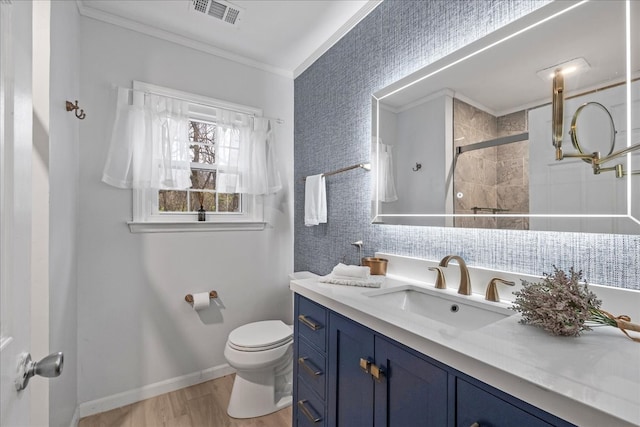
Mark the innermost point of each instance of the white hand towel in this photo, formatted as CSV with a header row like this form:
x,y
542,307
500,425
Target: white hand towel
x,y
315,201
370,282
351,271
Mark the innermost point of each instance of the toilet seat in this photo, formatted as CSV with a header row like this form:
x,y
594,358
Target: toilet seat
x,y
260,336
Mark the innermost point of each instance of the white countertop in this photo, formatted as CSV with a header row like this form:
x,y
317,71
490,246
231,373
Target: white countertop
x,y
591,380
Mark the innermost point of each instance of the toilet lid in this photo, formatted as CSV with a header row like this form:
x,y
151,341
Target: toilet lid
x,y
261,335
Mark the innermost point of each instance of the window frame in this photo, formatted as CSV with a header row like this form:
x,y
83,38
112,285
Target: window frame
x,y
146,216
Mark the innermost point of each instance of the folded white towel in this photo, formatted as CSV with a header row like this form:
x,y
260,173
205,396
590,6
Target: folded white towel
x,y
315,201
370,282
351,271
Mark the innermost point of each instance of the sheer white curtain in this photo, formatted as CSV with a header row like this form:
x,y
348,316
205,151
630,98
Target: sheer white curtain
x,y
232,131
246,156
149,146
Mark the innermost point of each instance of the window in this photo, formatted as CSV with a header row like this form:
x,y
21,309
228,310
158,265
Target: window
x,y
202,194
177,210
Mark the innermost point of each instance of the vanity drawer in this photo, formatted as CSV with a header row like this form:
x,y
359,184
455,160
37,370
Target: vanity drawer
x,y
312,367
312,321
309,408
474,405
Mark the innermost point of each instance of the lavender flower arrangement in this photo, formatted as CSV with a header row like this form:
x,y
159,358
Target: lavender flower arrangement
x,y
563,306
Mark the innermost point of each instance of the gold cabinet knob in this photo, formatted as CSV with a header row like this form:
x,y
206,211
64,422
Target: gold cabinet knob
x,y
308,412
309,322
365,364
377,372
308,366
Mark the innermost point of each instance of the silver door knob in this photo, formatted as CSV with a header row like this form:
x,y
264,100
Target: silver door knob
x,y
49,367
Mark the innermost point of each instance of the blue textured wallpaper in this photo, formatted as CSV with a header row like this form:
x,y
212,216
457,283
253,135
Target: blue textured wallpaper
x,y
332,130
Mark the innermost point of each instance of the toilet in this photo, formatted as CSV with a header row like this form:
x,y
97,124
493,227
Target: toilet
x,y
262,354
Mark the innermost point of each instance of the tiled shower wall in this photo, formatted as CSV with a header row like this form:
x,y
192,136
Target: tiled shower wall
x,y
333,130
493,177
512,180
475,172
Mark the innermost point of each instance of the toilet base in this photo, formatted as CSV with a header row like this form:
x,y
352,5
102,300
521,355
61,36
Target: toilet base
x,y
254,395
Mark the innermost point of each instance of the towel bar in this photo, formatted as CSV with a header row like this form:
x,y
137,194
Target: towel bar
x,y
365,166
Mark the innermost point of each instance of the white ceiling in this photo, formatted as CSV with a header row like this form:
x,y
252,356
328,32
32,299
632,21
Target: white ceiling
x,y
503,79
281,36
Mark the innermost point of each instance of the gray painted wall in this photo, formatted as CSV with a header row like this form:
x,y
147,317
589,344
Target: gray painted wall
x,y
332,130
131,287
63,209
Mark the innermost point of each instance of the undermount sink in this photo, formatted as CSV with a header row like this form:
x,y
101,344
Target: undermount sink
x,y
448,309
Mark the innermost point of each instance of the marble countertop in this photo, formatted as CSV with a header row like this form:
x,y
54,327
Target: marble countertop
x,y
591,380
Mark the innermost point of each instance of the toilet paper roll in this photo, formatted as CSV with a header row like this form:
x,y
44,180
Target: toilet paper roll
x,y
201,301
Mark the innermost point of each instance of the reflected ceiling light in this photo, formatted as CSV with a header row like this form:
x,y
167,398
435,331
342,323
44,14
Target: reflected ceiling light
x,y
574,67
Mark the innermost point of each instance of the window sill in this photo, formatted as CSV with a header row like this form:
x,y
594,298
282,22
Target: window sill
x,y
180,227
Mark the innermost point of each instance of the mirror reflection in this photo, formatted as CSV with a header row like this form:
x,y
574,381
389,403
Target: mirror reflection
x,y
474,140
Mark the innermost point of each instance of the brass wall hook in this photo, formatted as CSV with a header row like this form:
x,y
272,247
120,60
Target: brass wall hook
x,y
74,107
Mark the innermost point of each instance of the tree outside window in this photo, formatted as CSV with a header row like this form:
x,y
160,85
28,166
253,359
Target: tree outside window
x,y
202,138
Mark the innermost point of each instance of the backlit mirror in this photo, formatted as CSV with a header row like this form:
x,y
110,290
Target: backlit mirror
x,y
469,140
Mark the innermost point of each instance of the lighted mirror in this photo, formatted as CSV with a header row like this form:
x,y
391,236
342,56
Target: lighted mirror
x,y
471,140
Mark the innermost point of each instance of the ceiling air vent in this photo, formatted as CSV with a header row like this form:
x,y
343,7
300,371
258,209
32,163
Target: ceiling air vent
x,y
219,9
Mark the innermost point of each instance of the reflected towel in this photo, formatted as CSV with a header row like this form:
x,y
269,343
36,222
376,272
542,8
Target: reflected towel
x,y
384,171
315,201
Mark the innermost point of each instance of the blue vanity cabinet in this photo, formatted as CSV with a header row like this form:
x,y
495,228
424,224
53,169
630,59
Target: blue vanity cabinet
x,y
479,403
351,386
375,382
310,363
412,392
347,375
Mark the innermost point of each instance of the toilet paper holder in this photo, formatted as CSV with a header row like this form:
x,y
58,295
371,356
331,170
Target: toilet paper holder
x,y
189,298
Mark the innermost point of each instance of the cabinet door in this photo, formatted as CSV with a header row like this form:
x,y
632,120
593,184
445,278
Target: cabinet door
x,y
350,391
474,405
412,391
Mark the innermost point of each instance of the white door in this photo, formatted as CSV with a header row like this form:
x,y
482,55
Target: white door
x,y
15,204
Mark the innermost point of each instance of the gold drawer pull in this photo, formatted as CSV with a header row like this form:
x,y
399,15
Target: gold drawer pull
x,y
309,322
365,364
307,412
309,366
377,372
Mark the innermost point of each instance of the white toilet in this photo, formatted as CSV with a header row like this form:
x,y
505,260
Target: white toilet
x,y
262,354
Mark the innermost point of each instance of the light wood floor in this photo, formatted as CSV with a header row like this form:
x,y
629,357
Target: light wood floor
x,y
202,405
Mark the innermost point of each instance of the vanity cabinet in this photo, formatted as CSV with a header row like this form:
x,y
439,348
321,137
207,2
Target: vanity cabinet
x,y
373,381
310,363
347,375
475,405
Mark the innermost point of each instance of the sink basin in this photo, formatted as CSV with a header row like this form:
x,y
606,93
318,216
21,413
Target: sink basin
x,y
448,309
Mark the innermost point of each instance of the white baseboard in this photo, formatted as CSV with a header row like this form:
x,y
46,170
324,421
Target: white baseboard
x,y
152,390
76,418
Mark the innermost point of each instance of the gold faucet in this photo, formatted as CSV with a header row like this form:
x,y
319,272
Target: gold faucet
x,y
492,289
465,282
441,282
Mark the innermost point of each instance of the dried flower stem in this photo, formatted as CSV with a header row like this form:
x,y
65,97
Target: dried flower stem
x,y
562,306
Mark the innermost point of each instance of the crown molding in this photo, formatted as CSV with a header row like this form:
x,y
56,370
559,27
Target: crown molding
x,y
149,30
129,24
341,32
